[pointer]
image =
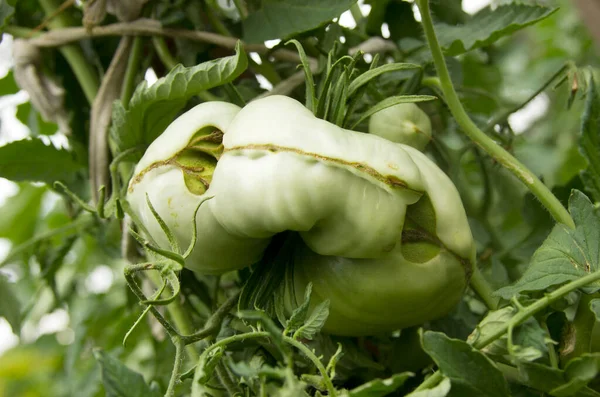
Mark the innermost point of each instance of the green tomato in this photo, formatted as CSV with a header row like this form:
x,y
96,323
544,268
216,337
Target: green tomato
x,y
381,229
403,123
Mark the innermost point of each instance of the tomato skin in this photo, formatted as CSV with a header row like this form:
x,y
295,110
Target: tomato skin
x,y
403,123
381,231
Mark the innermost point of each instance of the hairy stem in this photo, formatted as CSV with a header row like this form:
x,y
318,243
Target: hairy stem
x,y
84,72
498,153
179,347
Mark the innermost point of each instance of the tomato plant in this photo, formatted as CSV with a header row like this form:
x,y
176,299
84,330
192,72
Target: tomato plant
x,y
300,198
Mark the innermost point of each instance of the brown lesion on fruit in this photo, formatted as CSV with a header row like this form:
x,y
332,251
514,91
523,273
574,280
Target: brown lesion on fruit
x,y
197,160
390,180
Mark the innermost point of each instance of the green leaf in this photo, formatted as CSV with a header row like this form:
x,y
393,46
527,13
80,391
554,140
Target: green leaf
x,y
373,73
578,372
566,254
153,108
20,214
120,381
10,307
284,18
33,119
8,85
380,387
441,390
589,141
315,322
299,314
469,370
391,101
489,25
7,9
311,99
33,160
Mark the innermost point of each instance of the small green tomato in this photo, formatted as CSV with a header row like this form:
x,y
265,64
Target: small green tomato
x,y
404,123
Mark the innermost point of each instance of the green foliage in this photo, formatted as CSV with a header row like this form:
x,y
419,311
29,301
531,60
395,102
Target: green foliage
x,y
566,254
120,381
589,142
488,25
152,108
10,307
283,18
470,372
33,160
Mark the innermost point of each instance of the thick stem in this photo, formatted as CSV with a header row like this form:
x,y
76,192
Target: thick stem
x,y
479,137
85,73
483,289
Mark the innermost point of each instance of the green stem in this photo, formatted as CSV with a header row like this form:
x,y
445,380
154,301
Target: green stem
x,y
315,360
502,117
300,346
21,32
535,307
543,194
241,7
160,46
522,315
483,289
179,347
84,72
181,321
133,68
356,13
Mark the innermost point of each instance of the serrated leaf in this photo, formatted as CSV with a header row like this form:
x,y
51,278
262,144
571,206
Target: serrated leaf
x,y
10,307
589,141
33,160
8,85
441,390
566,254
380,387
120,381
283,18
299,314
315,322
153,108
469,370
489,25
